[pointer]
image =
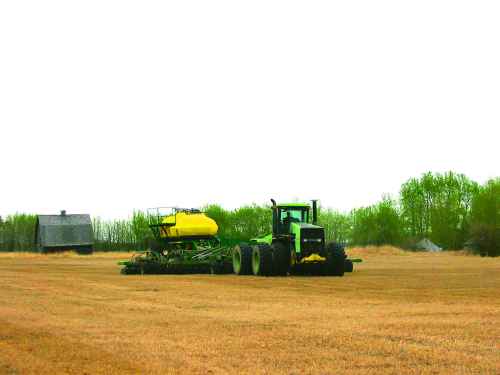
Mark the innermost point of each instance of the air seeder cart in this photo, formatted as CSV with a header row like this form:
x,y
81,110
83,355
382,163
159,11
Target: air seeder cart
x,y
185,241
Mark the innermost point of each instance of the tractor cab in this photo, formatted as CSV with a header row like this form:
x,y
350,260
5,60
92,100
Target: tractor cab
x,y
286,214
298,233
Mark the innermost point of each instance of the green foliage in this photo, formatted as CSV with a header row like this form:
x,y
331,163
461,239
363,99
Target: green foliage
x,y
437,206
338,226
241,224
485,219
17,232
379,224
130,234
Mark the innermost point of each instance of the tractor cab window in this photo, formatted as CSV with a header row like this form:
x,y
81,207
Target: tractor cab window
x,y
295,214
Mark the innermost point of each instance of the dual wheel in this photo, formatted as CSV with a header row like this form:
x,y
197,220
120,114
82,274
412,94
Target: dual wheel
x,y
259,260
266,260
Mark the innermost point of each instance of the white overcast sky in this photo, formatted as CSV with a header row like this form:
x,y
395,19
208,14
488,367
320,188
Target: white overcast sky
x,y
110,106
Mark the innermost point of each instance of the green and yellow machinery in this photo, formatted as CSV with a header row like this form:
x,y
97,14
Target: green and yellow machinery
x,y
185,241
295,246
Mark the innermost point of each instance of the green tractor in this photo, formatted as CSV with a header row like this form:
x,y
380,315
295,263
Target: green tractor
x,y
296,246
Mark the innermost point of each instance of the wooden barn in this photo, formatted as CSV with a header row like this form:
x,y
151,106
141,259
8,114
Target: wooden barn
x,y
62,232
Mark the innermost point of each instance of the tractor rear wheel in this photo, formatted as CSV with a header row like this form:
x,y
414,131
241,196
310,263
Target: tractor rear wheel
x,y
335,260
281,259
242,259
262,260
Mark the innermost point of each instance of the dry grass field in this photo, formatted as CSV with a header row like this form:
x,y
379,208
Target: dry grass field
x,y
398,313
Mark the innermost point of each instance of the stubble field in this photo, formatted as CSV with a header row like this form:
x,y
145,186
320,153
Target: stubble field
x,y
398,313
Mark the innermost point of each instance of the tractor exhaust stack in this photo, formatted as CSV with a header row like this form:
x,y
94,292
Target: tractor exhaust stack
x,y
315,211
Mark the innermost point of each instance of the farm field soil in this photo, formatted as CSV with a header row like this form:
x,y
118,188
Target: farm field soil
x,y
398,313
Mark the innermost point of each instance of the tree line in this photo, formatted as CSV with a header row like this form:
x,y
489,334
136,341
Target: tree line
x,y
449,209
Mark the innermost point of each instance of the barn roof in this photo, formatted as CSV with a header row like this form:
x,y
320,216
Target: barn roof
x,y
64,230
73,219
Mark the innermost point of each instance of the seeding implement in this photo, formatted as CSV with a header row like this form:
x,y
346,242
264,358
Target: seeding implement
x,y
185,241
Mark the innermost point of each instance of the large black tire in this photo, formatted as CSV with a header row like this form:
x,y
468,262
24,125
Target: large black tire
x,y
262,260
281,259
348,267
335,260
130,270
242,259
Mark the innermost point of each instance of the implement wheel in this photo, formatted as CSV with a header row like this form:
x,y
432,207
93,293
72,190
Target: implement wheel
x,y
281,259
221,268
262,260
84,250
335,260
242,260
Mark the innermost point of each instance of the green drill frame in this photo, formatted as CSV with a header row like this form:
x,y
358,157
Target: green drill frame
x,y
179,255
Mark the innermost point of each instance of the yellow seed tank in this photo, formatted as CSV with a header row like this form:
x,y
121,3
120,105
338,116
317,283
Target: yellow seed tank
x,y
188,225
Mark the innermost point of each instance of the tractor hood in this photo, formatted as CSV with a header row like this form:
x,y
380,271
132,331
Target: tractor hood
x,y
305,225
309,238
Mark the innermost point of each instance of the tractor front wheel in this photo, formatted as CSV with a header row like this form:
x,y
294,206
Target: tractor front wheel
x,y
242,260
348,267
262,260
335,259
